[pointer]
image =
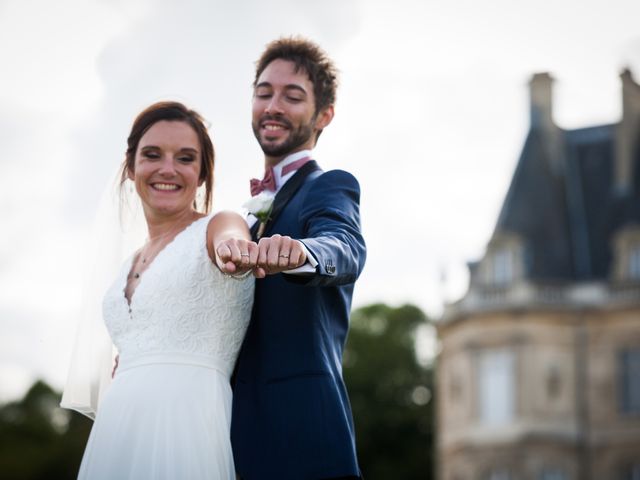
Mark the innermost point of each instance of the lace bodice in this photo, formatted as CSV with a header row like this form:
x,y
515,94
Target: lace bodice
x,y
182,305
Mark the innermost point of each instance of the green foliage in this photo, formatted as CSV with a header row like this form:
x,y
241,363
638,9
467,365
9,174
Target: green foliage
x,y
391,393
391,396
39,440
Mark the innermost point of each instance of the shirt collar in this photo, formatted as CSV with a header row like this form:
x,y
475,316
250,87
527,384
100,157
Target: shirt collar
x,y
277,169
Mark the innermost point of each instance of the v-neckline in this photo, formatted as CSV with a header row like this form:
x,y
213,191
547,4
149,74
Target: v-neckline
x,y
129,300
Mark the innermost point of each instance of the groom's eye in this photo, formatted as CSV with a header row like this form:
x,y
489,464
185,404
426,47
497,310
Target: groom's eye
x,y
262,92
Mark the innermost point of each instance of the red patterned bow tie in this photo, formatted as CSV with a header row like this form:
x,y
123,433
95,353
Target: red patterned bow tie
x,y
269,180
267,183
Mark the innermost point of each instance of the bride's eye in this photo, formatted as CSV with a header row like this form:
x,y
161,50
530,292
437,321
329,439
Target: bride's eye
x,y
150,154
186,158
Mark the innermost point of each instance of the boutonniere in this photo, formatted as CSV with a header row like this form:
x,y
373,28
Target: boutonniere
x,y
260,207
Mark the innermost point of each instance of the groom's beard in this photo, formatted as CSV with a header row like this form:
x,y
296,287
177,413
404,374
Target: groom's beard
x,y
298,136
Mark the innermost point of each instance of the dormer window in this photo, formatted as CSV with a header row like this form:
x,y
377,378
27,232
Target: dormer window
x,y
502,266
503,263
626,267
634,262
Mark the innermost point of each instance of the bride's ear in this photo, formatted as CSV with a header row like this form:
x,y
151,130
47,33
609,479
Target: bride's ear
x,y
130,174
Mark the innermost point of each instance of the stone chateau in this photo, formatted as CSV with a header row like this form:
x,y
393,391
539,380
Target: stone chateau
x,y
539,372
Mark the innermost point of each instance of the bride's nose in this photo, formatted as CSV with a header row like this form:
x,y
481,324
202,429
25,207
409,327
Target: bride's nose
x,y
167,167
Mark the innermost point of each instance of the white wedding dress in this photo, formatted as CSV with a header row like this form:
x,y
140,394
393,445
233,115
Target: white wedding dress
x,y
167,413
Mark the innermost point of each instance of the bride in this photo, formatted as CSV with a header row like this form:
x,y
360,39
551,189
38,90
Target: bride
x,y
177,313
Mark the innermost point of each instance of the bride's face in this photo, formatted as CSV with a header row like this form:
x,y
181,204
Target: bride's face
x,y
167,167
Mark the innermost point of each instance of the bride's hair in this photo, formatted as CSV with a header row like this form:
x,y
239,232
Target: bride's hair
x,y
172,111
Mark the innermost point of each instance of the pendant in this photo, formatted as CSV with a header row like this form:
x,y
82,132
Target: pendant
x,y
136,275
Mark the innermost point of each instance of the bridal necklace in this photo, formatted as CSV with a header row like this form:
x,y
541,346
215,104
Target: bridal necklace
x,y
148,253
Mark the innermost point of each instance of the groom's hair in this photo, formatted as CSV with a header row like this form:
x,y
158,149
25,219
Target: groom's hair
x,y
308,57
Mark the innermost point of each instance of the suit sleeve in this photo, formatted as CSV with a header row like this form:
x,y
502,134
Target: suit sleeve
x,y
331,224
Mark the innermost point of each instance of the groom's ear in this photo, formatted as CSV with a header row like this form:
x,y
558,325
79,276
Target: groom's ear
x,y
324,117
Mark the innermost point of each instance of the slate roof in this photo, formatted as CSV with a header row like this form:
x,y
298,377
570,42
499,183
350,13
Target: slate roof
x,y
567,216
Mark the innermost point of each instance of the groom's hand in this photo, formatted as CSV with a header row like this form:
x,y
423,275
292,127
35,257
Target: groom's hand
x,y
236,255
279,253
115,366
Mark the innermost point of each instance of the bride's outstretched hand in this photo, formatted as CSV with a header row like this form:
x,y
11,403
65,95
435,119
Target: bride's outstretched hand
x,y
236,255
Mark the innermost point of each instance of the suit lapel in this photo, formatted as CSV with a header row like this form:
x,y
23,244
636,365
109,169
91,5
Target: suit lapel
x,y
286,192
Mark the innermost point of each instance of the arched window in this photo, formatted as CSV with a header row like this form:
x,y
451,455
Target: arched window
x,y
629,375
552,474
496,384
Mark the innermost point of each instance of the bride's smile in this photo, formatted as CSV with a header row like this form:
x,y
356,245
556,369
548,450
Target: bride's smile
x,y
167,168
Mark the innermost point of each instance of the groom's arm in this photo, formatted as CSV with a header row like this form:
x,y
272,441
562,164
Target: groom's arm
x,y
332,235
332,250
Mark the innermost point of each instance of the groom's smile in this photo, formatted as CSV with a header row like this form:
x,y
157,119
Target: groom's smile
x,y
273,129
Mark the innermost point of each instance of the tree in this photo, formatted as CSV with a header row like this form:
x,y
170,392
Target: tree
x,y
39,440
391,393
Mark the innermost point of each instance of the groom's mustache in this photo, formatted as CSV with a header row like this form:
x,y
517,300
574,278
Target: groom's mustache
x,y
275,118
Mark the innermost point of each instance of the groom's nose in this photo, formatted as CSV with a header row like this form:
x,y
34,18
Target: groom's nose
x,y
274,105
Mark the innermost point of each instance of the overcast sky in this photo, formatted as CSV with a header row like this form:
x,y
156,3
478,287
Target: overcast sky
x,y
431,115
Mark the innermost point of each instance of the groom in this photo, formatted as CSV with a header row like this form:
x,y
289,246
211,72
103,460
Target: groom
x,y
291,413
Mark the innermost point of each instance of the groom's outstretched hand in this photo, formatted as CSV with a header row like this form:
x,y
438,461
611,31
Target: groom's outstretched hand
x,y
277,254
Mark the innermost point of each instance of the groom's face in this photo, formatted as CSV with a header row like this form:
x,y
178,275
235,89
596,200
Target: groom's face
x,y
284,118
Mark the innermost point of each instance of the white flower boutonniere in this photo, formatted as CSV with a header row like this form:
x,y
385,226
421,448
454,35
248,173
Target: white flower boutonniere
x,y
261,206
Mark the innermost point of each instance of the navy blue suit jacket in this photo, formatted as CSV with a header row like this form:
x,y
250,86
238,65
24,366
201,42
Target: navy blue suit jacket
x,y
291,414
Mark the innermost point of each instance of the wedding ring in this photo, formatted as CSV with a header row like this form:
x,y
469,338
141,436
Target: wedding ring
x,y
244,254
284,256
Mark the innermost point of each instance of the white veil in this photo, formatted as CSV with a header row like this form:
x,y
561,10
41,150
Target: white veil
x,y
118,230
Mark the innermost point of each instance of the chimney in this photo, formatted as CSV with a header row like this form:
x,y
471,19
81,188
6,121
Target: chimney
x,y
540,94
627,134
541,112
